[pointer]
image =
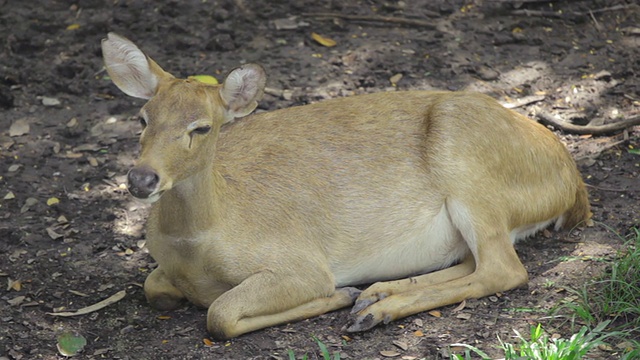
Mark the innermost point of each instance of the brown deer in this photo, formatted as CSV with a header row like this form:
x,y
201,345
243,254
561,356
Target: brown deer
x,y
270,219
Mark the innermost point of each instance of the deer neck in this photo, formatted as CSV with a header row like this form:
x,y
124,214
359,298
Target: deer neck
x,y
193,205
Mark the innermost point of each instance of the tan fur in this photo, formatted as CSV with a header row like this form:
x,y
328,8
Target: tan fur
x,y
267,219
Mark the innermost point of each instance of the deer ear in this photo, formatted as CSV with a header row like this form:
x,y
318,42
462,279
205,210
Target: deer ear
x,y
242,89
130,69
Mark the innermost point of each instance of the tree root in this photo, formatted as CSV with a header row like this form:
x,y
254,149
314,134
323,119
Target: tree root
x,y
549,119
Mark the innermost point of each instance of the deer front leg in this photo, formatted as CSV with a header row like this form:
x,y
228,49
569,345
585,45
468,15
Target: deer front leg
x,y
498,268
160,293
266,299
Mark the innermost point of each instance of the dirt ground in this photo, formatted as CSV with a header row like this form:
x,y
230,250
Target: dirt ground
x,y
71,236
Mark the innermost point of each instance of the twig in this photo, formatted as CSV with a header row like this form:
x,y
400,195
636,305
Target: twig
x,y
524,101
553,14
386,19
95,307
548,119
607,189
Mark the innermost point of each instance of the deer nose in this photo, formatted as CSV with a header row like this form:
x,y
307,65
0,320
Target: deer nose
x,y
142,181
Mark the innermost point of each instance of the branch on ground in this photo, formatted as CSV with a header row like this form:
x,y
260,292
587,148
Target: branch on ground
x,y
549,119
385,19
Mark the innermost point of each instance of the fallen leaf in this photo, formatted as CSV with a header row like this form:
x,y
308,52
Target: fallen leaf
x,y
395,79
435,313
14,167
9,196
14,285
418,333
323,40
53,201
78,293
285,24
70,344
418,322
19,127
207,79
87,147
207,342
73,27
62,219
163,317
462,305
346,338
401,344
92,161
72,123
605,347
16,300
28,204
53,234
464,316
97,306
389,353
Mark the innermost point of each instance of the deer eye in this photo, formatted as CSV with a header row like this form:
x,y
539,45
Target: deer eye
x,y
201,130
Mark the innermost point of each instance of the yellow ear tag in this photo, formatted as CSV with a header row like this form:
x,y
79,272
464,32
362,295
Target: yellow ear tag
x,y
207,79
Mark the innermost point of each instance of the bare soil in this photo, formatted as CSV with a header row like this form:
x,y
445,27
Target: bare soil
x,y
578,60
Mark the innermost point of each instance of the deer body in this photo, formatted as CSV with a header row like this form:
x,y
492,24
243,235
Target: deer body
x,y
271,218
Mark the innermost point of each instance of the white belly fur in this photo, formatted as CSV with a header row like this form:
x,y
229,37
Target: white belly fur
x,y
433,244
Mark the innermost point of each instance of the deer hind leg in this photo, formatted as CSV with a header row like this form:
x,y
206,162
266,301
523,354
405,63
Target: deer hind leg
x,y
497,268
160,292
265,299
381,290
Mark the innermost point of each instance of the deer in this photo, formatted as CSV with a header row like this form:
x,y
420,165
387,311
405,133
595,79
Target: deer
x,y
279,216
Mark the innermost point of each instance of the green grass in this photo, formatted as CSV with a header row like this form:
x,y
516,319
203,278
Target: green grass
x,y
608,305
540,346
324,351
614,296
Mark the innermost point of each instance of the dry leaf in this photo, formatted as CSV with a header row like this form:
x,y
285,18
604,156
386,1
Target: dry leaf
x,y
19,127
464,316
435,313
395,79
28,204
418,333
462,305
323,40
14,167
9,196
14,285
53,201
16,300
285,24
72,123
418,322
53,234
78,293
163,317
73,27
401,344
389,353
207,342
92,161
